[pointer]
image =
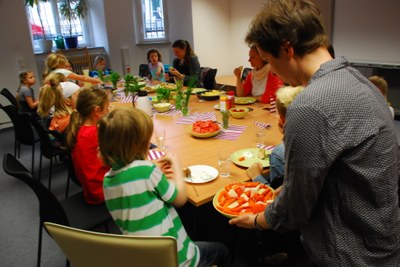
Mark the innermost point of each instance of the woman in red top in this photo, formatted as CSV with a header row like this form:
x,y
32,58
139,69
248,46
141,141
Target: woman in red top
x,y
260,82
92,104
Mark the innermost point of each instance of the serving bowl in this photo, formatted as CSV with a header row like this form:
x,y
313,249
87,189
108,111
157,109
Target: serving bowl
x,y
162,107
209,95
238,113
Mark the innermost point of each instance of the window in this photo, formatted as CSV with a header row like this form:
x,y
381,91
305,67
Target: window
x,y
46,22
151,22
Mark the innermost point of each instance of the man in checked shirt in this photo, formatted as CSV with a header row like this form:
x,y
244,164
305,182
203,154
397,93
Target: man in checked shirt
x,y
341,153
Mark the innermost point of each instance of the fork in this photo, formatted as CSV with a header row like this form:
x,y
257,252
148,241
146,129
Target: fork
x,y
191,181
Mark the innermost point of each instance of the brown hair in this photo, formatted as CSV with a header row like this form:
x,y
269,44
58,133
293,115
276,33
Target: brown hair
x,y
119,123
297,22
22,76
182,44
380,83
51,95
54,61
88,99
154,50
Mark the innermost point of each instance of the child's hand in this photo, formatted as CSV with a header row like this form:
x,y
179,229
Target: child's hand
x,y
238,71
166,165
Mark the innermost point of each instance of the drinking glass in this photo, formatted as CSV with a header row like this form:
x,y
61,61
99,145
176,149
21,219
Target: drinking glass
x,y
224,163
225,119
260,137
160,139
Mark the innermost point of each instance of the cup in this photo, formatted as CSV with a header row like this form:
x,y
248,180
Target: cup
x,y
178,83
260,137
224,163
160,139
225,119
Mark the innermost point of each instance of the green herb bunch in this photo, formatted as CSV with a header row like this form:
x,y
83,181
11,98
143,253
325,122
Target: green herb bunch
x,y
132,84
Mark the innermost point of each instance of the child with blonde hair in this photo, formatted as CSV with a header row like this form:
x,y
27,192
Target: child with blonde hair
x,y
25,93
141,195
60,97
284,97
81,136
58,63
156,67
382,85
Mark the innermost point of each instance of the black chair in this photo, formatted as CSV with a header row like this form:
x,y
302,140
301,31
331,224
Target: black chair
x,y
144,70
72,211
207,78
23,132
245,73
51,143
7,94
71,174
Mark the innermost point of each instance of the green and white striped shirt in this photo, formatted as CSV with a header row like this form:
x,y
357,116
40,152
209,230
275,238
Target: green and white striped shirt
x,y
139,198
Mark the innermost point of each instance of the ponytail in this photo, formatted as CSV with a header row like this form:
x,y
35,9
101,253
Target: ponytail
x,y
75,122
50,92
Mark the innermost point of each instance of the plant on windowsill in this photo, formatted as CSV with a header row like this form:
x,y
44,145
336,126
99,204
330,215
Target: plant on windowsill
x,y
44,43
72,10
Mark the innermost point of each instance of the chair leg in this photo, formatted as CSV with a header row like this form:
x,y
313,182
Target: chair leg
x,y
39,245
33,160
40,166
15,147
50,172
67,187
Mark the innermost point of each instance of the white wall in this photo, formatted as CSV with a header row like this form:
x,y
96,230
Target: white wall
x,y
15,45
219,29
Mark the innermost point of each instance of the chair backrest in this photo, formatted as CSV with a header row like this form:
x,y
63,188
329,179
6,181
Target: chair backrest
x,y
245,73
23,130
87,248
50,209
7,94
207,78
144,70
46,145
71,170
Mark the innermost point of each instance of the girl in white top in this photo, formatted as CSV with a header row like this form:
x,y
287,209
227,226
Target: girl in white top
x,y
58,63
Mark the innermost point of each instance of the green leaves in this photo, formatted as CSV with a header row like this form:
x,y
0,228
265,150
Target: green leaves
x,y
132,84
163,94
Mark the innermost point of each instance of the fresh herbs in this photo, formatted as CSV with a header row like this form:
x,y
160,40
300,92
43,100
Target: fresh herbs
x,y
132,84
163,94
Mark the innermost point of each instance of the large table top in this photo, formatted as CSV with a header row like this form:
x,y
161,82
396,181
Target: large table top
x,y
193,151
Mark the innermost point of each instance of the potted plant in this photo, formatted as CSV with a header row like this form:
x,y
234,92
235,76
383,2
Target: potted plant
x,y
72,10
44,44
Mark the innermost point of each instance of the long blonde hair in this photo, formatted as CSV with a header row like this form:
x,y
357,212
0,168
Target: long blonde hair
x,y
51,95
88,99
119,123
54,61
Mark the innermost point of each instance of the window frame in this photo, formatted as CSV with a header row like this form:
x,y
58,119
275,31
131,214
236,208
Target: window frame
x,y
86,27
140,26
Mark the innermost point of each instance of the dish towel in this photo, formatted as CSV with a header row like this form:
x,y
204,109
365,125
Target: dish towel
x,y
262,125
155,154
265,147
197,116
232,133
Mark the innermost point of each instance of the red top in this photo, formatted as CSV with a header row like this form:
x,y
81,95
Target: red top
x,y
273,84
89,169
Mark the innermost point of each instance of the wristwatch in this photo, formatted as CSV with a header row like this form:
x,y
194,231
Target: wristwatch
x,y
259,227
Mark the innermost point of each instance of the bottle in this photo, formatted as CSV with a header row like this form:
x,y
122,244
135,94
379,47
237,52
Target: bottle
x,y
222,102
143,102
230,99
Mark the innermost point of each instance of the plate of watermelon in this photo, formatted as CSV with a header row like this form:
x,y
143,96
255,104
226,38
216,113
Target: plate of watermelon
x,y
240,198
204,129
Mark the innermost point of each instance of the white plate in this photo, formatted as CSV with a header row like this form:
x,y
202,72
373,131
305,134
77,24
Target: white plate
x,y
216,106
201,174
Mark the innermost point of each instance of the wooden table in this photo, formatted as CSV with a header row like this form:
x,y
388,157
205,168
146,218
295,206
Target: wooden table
x,y
227,80
193,151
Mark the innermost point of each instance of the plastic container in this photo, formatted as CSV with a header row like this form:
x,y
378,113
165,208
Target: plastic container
x,y
143,102
230,100
223,103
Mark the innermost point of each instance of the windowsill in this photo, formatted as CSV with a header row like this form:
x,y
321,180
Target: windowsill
x,y
58,50
152,42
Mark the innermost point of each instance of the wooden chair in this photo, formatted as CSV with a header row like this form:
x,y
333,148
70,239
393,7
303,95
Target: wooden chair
x,y
72,211
86,248
80,59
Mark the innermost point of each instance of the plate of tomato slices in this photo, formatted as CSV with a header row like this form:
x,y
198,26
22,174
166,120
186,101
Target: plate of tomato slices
x,y
204,129
240,198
